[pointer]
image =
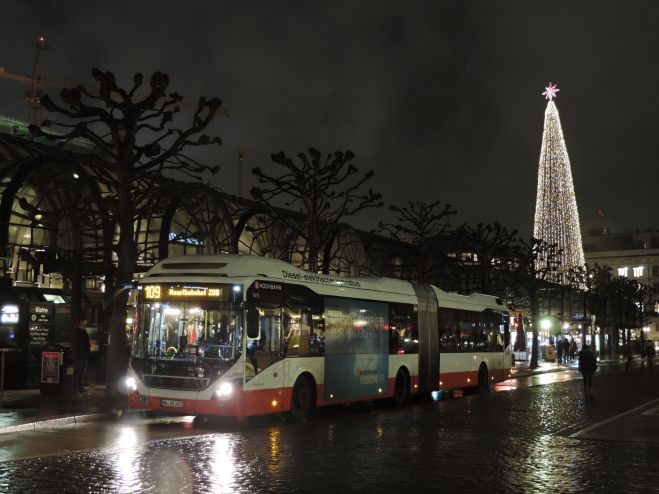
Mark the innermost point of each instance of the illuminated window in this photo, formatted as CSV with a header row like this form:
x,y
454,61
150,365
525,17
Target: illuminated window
x,y
622,271
638,271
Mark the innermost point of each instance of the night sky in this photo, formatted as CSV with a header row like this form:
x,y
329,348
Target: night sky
x,y
442,99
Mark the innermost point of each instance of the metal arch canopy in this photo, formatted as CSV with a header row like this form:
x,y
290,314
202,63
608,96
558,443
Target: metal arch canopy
x,y
346,254
197,217
73,183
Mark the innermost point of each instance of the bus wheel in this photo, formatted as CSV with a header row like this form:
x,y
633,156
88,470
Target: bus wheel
x,y
402,387
483,383
303,400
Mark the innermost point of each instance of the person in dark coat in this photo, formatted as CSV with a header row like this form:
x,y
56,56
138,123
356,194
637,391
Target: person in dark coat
x,y
81,346
628,355
587,367
566,351
573,349
559,352
650,353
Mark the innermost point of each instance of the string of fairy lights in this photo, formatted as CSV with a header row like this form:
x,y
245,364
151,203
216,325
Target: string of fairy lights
x,y
556,215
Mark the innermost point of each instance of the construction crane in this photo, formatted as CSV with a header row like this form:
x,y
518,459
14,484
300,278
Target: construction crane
x,y
33,95
36,82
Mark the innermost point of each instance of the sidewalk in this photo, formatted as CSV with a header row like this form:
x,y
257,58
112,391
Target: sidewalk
x,y
522,368
26,409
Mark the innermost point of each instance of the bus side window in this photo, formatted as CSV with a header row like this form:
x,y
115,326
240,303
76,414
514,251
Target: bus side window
x,y
394,341
291,333
317,339
403,332
410,339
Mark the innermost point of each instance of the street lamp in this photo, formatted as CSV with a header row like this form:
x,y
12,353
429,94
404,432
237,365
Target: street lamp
x,y
545,324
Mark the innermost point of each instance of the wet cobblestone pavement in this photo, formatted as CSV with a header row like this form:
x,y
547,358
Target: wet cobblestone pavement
x,y
516,441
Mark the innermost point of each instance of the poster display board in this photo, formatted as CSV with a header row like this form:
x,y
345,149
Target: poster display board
x,y
356,348
50,364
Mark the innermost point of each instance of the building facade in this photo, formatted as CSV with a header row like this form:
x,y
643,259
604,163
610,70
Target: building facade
x,y
631,255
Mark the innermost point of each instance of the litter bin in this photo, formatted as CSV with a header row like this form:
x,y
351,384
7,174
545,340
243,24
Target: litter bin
x,y
67,373
56,370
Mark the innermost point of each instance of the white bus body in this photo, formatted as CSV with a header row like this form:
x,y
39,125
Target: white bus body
x,y
238,335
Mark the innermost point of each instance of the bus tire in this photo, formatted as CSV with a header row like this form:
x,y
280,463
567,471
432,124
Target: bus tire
x,y
483,379
303,400
401,387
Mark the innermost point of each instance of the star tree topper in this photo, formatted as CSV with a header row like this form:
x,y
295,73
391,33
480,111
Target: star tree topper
x,y
550,91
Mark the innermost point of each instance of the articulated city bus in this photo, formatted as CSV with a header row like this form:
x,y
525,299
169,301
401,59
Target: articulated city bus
x,y
238,335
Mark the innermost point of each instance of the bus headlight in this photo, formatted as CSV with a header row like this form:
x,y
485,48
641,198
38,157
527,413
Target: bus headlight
x,y
131,384
225,389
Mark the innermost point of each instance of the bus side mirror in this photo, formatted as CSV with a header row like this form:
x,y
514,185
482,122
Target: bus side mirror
x,y
253,330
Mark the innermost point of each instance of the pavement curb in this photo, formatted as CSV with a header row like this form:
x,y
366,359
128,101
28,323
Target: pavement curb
x,y
60,421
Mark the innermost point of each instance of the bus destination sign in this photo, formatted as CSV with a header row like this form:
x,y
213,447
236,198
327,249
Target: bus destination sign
x,y
195,292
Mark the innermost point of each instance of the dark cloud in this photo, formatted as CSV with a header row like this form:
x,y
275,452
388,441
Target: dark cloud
x,y
441,99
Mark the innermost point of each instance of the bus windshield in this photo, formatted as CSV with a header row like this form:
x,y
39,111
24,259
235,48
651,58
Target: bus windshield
x,y
199,331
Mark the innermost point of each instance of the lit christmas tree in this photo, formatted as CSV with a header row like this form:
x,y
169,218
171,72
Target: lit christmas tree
x,y
556,214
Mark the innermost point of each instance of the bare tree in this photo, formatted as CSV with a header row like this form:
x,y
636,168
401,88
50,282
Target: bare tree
x,y
628,298
644,301
421,226
136,142
324,190
534,272
492,245
590,283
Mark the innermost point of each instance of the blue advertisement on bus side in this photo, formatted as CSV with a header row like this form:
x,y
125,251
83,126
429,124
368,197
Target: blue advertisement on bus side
x,y
356,349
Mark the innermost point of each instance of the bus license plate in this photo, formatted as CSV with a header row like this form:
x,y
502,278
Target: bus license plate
x,y
172,403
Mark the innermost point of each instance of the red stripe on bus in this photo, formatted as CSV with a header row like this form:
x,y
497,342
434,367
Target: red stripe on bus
x,y
276,400
454,380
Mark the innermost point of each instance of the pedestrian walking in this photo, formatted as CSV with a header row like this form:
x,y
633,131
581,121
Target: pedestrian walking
x,y
566,351
573,349
559,352
81,348
628,356
587,367
650,353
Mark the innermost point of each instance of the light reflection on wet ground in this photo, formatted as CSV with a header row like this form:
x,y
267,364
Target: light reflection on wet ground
x,y
496,442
